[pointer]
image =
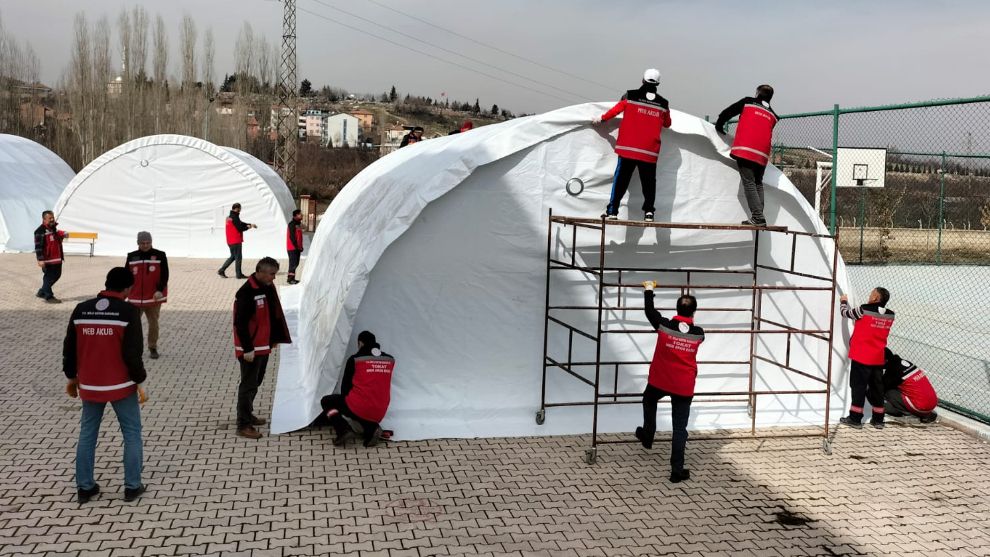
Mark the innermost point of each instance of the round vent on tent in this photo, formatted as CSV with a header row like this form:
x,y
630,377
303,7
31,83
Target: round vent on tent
x,y
144,162
575,186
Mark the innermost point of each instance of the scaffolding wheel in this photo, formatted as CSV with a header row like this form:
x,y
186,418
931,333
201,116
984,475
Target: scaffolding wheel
x,y
541,416
826,446
591,455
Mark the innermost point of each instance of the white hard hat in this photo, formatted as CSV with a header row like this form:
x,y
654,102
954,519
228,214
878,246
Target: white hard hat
x,y
651,76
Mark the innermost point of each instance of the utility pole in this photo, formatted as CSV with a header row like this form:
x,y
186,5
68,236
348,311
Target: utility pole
x,y
286,115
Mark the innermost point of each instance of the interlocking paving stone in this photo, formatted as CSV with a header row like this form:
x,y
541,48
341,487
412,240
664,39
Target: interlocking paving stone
x,y
906,490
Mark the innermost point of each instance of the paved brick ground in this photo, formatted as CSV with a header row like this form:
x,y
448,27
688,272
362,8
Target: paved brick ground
x,y
902,491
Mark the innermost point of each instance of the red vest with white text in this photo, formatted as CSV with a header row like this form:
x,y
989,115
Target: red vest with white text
x,y
260,325
643,120
52,250
371,387
917,392
754,134
101,371
869,337
674,368
147,271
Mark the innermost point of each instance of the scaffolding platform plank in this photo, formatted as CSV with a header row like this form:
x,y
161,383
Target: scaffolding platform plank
x,y
677,225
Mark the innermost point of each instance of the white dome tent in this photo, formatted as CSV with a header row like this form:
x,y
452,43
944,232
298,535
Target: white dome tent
x,y
31,179
180,189
440,250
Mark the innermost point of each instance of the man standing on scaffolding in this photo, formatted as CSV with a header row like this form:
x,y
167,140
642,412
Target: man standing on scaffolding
x,y
672,373
644,116
751,146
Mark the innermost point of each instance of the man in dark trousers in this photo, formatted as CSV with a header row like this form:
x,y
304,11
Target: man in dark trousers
x,y
294,244
908,390
259,326
644,116
101,357
866,350
365,392
48,250
235,228
673,372
150,269
415,136
751,145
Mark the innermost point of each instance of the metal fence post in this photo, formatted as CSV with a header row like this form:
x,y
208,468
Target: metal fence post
x,y
862,219
835,167
941,208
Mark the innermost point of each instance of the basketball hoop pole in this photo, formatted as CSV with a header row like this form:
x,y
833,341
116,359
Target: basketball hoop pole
x,y
862,217
835,162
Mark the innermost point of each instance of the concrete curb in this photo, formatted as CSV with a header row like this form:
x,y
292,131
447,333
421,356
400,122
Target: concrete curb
x,y
964,424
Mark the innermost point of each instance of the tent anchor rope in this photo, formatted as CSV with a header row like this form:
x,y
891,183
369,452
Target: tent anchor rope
x,y
568,262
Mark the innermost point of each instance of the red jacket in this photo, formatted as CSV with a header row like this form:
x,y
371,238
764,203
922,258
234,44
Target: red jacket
x,y
915,388
869,338
294,236
102,348
643,120
48,244
674,368
235,228
259,324
150,269
371,386
754,133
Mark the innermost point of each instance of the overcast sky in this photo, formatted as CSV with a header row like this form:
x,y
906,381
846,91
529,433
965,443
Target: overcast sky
x,y
709,53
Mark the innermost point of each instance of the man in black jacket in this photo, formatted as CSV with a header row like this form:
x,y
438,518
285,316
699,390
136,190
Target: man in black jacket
x,y
415,136
235,228
294,244
150,269
48,250
365,392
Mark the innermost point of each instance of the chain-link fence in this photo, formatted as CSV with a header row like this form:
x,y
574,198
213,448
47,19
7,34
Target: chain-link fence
x,y
908,188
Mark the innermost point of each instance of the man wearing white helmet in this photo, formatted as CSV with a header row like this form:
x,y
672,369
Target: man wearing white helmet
x,y
644,115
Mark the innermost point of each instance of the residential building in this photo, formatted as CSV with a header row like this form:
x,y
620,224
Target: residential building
x,y
366,118
342,130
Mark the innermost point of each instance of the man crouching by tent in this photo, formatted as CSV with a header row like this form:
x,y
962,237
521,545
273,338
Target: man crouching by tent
x,y
907,390
365,392
672,373
259,325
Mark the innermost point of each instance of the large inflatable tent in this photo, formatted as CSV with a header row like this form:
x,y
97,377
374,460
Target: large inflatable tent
x,y
31,179
180,189
440,249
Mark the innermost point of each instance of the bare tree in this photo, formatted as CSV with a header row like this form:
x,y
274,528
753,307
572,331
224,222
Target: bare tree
x,y
138,59
187,42
243,55
265,63
209,53
160,55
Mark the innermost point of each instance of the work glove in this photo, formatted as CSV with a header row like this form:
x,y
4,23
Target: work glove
x,y
596,120
72,388
649,285
142,396
844,299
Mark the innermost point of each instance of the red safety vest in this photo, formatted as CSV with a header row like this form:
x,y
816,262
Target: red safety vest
x,y
147,270
260,325
643,121
754,134
869,337
371,387
917,392
52,250
234,236
101,371
299,238
674,368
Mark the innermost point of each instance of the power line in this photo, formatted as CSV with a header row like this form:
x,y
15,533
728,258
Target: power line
x,y
493,47
447,50
409,48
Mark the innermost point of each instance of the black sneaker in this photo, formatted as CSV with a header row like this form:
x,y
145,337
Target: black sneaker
x,y
648,217
751,222
40,294
222,275
242,276
132,494
53,300
609,216
877,424
84,495
647,443
375,438
678,477
851,422
153,353
929,419
342,439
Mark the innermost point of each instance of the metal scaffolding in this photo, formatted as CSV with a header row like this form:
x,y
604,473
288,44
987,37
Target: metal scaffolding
x,y
611,276
286,113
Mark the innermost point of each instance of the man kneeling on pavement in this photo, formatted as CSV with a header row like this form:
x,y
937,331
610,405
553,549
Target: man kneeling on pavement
x,y
365,392
907,390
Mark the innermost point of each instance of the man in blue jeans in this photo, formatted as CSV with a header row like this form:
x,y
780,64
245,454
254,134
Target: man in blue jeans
x,y
101,357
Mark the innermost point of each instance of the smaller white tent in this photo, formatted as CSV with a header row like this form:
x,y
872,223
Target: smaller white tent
x,y
31,179
180,189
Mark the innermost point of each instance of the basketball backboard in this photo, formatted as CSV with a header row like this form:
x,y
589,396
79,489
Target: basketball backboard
x,y
861,167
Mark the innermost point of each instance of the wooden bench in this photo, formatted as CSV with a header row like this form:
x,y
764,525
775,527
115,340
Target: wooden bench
x,y
90,237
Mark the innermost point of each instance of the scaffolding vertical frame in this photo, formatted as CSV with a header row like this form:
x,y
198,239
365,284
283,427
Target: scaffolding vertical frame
x,y
759,324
